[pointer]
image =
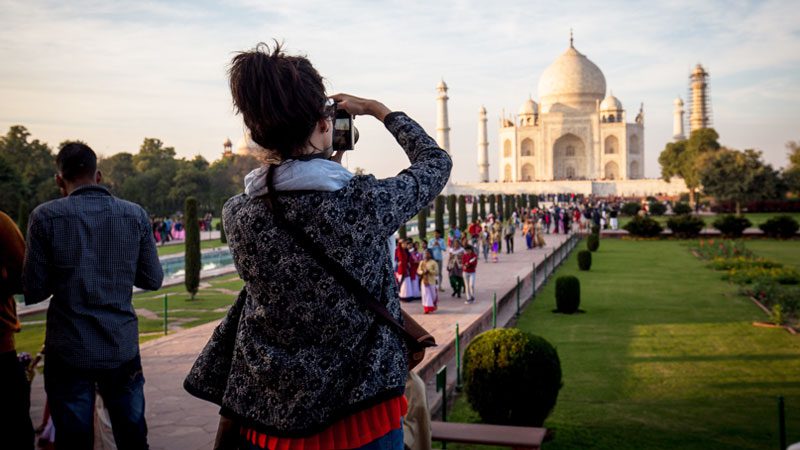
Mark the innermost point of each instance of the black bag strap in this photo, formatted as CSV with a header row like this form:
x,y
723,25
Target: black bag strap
x,y
334,267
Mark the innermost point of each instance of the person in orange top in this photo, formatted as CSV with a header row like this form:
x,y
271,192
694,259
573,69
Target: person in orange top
x,y
16,429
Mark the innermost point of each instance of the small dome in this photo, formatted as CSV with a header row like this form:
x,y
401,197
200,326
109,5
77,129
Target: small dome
x,y
227,143
442,85
678,102
482,111
529,107
610,103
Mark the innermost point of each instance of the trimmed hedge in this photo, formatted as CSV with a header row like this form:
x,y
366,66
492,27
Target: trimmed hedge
x,y
681,208
192,258
643,227
630,208
782,227
732,226
657,208
568,294
593,242
511,377
686,226
584,260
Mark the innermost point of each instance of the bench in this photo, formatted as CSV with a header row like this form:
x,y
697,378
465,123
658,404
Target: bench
x,y
520,438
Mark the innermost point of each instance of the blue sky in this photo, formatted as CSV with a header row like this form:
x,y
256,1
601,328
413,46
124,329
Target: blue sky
x,y
112,73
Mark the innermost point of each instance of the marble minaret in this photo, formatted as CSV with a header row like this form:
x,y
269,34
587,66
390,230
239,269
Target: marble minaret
x,y
442,123
677,121
483,147
701,111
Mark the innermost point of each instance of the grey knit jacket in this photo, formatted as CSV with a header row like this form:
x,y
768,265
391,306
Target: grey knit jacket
x,y
297,351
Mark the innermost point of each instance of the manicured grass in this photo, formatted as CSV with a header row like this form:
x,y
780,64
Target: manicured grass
x,y
665,357
786,252
176,249
210,304
756,218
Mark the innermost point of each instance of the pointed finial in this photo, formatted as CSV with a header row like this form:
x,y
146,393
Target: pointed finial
x,y
570,37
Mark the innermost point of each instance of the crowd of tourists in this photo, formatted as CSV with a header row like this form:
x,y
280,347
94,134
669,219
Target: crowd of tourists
x,y
167,229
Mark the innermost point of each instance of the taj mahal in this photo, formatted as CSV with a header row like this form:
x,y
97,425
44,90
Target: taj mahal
x,y
578,139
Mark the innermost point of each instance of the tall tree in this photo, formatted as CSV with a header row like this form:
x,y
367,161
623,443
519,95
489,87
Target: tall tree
x,y
731,175
438,211
791,174
462,213
422,223
482,200
685,158
452,213
33,163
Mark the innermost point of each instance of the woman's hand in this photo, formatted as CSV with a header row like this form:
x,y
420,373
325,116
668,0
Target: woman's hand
x,y
358,106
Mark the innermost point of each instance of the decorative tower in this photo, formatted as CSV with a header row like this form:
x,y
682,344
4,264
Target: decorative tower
x,y
483,147
442,124
677,120
227,148
701,102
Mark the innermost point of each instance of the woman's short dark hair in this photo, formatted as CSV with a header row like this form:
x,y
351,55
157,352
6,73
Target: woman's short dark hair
x,y
280,97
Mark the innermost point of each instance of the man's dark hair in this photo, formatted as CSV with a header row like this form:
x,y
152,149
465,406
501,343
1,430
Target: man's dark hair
x,y
75,160
280,97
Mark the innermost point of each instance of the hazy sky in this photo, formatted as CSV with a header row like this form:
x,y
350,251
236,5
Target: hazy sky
x,y
113,73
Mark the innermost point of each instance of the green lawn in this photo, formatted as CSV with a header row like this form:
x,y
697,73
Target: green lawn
x,y
786,252
756,218
164,250
210,304
665,357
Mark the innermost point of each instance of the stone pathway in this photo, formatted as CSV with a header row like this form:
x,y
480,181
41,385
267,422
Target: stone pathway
x,y
178,420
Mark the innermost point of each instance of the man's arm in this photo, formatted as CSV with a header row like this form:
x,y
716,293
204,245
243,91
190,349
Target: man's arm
x,y
149,274
36,269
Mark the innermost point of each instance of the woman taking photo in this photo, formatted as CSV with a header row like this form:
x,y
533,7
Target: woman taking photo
x,y
299,361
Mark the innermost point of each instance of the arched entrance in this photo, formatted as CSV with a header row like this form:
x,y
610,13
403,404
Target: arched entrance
x,y
569,152
527,172
634,170
526,147
611,145
611,171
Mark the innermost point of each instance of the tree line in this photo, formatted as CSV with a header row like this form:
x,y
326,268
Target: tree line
x,y
153,177
727,174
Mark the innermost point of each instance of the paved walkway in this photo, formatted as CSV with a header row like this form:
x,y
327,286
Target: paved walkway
x,y
178,420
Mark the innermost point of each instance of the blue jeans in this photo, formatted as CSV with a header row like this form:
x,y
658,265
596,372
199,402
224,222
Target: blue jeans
x,y
71,394
392,440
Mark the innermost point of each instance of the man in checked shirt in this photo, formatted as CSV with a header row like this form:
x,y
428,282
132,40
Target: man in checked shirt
x,y
88,250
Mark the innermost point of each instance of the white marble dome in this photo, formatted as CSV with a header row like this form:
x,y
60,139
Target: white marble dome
x,y
611,103
572,80
246,145
529,107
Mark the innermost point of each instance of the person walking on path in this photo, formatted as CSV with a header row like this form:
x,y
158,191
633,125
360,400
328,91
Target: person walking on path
x,y
470,262
485,242
437,246
455,268
508,233
281,363
403,271
428,272
88,250
16,429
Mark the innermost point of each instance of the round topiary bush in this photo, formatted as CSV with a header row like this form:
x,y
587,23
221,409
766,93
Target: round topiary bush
x,y
686,226
782,227
584,260
568,294
643,226
681,208
732,226
593,242
657,208
630,208
511,377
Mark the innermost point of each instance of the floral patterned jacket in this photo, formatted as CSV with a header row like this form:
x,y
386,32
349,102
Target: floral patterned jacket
x,y
297,351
